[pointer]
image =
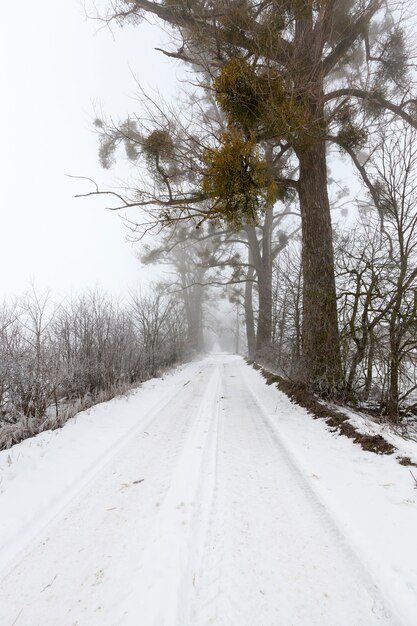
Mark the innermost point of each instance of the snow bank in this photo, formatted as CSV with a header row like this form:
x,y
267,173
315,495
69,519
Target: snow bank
x,y
41,475
372,498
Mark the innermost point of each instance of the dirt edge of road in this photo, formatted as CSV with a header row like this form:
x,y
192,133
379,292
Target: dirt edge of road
x,y
334,418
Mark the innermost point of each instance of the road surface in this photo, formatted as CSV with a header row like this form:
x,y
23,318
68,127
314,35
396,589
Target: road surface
x,y
201,517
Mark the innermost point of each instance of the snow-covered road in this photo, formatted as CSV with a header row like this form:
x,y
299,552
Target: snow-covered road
x,y
204,515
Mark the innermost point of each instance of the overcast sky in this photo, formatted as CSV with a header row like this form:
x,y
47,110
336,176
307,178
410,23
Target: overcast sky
x,y
57,68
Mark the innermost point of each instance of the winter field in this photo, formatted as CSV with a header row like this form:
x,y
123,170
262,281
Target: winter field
x,y
206,497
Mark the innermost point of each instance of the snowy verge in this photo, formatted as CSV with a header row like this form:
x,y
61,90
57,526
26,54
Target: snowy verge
x,y
380,438
405,447
371,497
40,476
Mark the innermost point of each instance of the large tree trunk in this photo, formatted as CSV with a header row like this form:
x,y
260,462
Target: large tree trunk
x,y
320,340
264,271
260,254
249,317
264,329
321,350
297,347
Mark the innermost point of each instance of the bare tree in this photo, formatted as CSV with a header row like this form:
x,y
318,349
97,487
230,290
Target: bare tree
x,y
197,260
287,311
157,321
378,277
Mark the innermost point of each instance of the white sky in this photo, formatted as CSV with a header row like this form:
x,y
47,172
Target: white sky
x,y
56,69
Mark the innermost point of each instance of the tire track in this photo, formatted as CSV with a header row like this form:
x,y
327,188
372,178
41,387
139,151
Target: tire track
x,y
208,575
10,557
167,569
273,556
104,508
380,608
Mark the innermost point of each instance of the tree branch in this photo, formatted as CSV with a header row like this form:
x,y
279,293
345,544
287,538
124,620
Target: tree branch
x,y
376,97
353,32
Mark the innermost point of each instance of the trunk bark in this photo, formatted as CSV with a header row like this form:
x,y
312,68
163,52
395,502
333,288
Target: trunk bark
x,y
264,334
297,347
321,350
264,330
249,317
260,253
281,334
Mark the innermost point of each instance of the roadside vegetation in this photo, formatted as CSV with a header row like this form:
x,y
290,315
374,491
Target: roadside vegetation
x,y
56,360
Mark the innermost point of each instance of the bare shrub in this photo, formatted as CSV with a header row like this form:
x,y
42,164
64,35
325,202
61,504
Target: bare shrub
x,y
59,360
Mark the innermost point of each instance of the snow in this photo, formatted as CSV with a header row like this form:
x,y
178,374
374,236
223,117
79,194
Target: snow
x,y
205,498
364,424
41,476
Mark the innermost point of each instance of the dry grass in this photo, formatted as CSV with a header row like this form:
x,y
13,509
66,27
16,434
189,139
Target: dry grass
x,y
336,419
11,434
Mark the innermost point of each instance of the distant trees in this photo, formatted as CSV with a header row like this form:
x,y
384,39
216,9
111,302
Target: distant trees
x,y
288,77
195,260
56,360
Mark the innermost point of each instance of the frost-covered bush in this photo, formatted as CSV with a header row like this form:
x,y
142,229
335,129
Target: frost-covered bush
x,y
56,360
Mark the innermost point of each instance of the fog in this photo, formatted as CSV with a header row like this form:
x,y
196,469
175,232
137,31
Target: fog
x,y
59,70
